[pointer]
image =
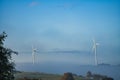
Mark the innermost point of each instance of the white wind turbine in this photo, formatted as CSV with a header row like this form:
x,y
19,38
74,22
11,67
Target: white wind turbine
x,y
33,54
95,51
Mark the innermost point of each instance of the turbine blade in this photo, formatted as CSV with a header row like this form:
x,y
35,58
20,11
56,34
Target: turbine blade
x,y
93,44
93,47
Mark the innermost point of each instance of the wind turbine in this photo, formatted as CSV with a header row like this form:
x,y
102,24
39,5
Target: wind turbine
x,y
95,51
33,54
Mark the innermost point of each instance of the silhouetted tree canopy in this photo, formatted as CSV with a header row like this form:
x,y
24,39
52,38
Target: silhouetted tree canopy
x,y
67,76
7,68
89,74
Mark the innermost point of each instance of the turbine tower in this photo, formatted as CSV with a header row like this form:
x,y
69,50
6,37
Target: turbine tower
x,y
95,51
33,54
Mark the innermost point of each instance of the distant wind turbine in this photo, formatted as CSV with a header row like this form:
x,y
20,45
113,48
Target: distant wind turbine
x,y
33,54
95,51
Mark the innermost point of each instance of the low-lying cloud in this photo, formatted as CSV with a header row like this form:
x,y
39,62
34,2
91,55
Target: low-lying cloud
x,y
33,4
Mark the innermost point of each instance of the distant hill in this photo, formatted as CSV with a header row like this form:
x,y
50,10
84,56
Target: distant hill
x,y
104,64
118,65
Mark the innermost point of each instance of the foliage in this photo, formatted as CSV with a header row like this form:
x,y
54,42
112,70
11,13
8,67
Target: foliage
x,y
67,76
6,65
89,74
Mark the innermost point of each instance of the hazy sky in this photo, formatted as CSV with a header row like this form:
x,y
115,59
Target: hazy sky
x,y
62,30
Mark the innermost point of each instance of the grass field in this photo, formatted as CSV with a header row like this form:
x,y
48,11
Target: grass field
x,y
46,76
40,76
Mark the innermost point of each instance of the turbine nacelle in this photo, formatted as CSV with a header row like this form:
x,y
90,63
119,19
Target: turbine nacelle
x,y
34,50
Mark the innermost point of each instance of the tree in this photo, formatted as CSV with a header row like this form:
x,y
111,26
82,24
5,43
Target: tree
x,y
67,76
89,74
7,68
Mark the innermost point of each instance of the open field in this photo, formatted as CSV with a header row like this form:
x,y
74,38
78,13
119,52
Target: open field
x,y
46,76
41,76
36,75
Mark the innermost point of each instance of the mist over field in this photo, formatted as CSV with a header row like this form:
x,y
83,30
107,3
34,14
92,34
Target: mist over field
x,y
60,68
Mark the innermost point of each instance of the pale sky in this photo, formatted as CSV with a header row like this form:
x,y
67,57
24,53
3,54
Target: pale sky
x,y
62,30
